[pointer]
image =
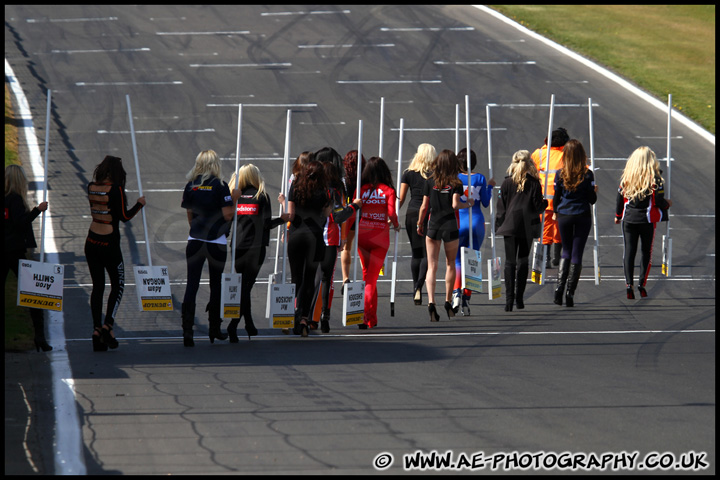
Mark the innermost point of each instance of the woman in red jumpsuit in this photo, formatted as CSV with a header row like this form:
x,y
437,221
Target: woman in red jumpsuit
x,y
378,206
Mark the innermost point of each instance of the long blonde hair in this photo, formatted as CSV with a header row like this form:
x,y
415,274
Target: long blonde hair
x,y
521,166
248,175
638,177
423,159
16,182
207,164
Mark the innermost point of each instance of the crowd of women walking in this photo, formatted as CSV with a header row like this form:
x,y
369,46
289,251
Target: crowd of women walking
x,y
321,208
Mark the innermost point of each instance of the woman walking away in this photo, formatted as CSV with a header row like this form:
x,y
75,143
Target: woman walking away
x,y
373,232
519,205
441,199
19,237
641,203
575,192
309,206
332,233
209,206
481,192
102,247
252,236
350,164
413,180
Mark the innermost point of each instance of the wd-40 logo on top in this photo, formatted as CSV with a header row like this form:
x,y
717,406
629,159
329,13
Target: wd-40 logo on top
x,y
474,193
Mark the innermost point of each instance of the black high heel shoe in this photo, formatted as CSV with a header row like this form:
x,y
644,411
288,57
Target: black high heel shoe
x,y
643,292
232,330
250,328
417,298
434,317
630,293
41,343
450,310
107,338
98,346
325,321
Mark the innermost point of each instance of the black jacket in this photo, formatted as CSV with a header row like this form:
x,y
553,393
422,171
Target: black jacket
x,y
19,234
518,211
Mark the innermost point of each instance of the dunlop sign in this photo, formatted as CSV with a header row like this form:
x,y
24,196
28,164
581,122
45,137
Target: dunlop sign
x,y
230,300
40,285
472,261
354,303
281,298
153,289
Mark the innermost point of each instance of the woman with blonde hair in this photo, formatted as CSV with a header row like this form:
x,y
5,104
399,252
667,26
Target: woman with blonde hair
x,y
209,206
441,198
519,205
640,204
575,192
413,180
19,237
252,236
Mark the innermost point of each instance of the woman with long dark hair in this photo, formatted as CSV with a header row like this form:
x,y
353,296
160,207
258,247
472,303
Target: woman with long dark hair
x,y
442,200
309,206
108,207
350,162
575,192
373,232
333,235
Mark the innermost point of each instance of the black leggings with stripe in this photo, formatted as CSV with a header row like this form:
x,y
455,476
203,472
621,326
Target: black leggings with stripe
x,y
634,233
105,255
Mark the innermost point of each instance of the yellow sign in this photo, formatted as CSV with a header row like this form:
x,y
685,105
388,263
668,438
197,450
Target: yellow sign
x,y
156,304
231,311
36,301
355,318
281,321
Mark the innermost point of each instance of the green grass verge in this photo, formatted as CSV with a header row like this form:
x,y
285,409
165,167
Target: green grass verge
x,y
663,49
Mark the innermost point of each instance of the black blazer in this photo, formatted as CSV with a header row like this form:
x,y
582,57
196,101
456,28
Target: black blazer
x,y
518,211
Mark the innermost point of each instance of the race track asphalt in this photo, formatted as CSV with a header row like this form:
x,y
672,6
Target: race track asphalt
x,y
610,375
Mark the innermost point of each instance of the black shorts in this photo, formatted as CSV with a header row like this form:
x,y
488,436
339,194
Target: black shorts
x,y
444,234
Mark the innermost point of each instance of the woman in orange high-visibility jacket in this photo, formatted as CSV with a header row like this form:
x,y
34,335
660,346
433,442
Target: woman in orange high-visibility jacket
x,y
551,233
373,233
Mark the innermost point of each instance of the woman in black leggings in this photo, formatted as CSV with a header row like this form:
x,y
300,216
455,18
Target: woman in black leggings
x,y
575,192
309,206
108,206
519,205
209,207
413,180
640,205
333,233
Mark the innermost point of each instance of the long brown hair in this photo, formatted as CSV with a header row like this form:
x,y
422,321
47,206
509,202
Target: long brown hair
x,y
312,179
446,169
574,164
110,168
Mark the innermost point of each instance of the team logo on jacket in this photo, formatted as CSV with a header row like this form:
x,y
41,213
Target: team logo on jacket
x,y
374,196
247,209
